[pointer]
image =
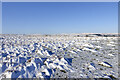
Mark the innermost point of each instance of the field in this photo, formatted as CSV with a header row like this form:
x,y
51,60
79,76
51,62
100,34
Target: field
x,y
59,56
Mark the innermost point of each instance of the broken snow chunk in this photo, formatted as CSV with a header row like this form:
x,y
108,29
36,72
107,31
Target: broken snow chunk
x,y
106,64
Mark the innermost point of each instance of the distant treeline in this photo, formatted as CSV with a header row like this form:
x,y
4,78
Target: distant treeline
x,y
66,35
99,35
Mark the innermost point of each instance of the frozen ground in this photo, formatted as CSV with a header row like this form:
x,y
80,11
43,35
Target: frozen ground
x,y
37,56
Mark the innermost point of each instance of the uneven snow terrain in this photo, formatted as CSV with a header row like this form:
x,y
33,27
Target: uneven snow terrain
x,y
32,56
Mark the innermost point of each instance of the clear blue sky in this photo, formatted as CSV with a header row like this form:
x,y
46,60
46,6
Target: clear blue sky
x,y
59,17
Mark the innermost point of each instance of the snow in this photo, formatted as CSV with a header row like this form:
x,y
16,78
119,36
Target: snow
x,y
28,56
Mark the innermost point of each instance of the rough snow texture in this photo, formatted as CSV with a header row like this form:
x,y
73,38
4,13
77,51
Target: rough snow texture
x,y
33,56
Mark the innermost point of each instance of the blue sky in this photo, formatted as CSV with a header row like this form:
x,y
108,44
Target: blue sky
x,y
59,17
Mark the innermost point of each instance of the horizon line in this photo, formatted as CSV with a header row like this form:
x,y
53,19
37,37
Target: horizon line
x,y
55,34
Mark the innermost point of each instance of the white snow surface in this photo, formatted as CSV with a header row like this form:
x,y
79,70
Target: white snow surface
x,y
36,56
